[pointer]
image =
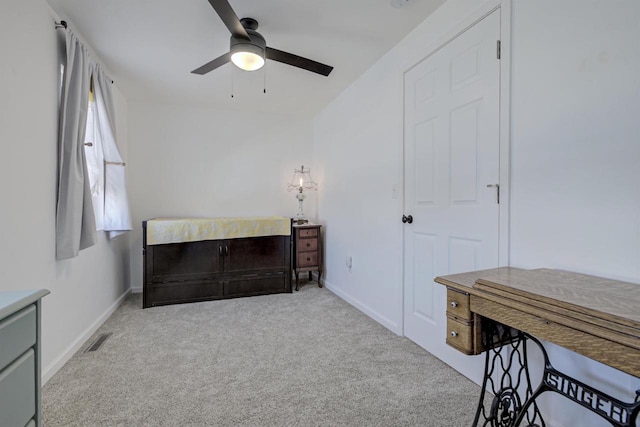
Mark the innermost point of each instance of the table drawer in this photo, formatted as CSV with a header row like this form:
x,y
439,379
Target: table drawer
x,y
460,336
18,391
307,259
458,304
306,233
17,334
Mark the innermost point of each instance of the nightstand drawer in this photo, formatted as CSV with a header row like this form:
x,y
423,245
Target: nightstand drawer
x,y
309,245
458,304
308,259
311,232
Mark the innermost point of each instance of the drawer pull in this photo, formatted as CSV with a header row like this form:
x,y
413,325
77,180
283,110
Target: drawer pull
x,y
454,334
454,304
308,244
308,259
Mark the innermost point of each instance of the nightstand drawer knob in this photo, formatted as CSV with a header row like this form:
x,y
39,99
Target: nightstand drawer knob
x,y
454,304
308,259
454,334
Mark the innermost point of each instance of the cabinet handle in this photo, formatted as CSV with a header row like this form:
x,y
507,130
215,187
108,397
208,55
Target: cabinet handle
x,y
454,304
454,334
220,250
308,259
226,250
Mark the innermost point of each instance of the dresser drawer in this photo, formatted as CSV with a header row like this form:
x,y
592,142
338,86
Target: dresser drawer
x,y
18,391
458,304
17,334
306,233
307,245
308,259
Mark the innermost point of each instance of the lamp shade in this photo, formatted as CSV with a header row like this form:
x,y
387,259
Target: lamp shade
x,y
302,180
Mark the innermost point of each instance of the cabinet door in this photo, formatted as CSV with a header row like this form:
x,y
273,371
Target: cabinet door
x,y
255,253
184,261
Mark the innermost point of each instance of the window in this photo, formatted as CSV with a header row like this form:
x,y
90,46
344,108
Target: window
x,y
95,162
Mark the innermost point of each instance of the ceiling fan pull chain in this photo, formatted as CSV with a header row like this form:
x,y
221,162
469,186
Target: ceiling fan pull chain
x,y
232,74
264,75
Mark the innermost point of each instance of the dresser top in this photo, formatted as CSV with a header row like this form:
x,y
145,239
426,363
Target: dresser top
x,y
12,301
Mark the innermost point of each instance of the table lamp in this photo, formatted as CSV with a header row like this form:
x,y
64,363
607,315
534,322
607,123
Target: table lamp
x,y
301,181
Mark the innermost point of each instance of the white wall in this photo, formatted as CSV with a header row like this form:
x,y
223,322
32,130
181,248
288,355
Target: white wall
x,y
576,153
358,154
85,289
575,197
188,161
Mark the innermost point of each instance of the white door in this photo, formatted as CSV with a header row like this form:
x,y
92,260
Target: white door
x,y
451,148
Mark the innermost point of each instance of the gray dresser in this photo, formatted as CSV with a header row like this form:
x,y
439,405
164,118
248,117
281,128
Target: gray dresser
x,y
20,358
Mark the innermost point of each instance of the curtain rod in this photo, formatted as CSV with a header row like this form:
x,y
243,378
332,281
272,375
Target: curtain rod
x,y
63,24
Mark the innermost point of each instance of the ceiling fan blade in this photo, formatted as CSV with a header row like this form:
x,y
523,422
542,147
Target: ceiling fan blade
x,y
212,65
230,19
298,61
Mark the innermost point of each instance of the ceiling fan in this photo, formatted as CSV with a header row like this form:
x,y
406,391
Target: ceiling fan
x,y
248,49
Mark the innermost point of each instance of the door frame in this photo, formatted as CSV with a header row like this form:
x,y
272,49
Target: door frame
x,y
505,7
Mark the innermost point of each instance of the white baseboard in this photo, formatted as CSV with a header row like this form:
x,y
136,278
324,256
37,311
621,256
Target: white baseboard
x,y
136,290
50,370
383,320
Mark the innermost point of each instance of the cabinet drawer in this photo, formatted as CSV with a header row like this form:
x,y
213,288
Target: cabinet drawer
x,y
306,233
197,290
18,391
17,334
307,245
458,304
307,259
256,285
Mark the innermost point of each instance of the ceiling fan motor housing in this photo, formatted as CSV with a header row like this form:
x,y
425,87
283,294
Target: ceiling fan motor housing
x,y
256,45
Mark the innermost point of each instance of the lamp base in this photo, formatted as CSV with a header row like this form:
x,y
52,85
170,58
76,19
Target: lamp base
x,y
300,221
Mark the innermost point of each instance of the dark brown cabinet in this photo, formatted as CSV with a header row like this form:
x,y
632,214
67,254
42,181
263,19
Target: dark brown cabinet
x,y
215,269
307,253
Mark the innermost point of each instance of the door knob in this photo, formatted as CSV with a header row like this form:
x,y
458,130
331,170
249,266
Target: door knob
x,y
407,219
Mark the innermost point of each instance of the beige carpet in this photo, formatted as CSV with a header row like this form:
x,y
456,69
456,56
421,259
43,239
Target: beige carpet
x,y
301,359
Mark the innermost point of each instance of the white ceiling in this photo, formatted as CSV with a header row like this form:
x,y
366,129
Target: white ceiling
x,y
150,47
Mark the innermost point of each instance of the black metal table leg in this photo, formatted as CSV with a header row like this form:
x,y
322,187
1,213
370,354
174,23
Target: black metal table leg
x,y
506,374
616,412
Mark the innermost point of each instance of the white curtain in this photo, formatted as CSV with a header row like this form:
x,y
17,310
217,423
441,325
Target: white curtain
x,y
75,222
117,218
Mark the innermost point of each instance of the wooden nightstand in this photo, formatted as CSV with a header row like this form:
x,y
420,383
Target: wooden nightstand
x,y
307,250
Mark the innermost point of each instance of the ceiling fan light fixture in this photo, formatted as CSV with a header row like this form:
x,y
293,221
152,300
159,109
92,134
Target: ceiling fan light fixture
x,y
247,60
248,55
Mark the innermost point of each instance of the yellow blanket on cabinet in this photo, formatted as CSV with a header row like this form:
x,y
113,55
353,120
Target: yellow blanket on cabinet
x,y
176,230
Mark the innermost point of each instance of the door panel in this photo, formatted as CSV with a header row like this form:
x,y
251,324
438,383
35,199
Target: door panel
x,y
184,261
255,253
451,147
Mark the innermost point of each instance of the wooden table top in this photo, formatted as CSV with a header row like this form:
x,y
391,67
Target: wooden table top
x,y
609,300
